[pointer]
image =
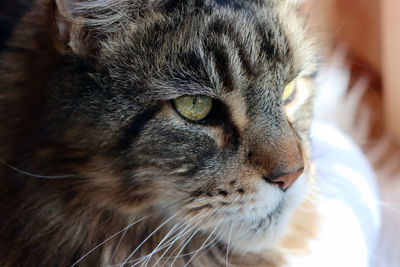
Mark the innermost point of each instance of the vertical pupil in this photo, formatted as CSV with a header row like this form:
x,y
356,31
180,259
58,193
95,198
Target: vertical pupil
x,y
194,101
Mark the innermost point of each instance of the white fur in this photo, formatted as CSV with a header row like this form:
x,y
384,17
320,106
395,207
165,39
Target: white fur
x,y
259,206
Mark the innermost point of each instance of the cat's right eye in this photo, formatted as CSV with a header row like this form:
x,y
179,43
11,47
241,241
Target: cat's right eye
x,y
194,108
289,92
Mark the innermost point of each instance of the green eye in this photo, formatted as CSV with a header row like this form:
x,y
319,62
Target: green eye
x,y
194,108
289,92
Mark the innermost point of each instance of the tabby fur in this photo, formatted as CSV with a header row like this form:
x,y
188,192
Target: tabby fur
x,y
90,142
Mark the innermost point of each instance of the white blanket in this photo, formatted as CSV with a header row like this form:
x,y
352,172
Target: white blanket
x,y
348,203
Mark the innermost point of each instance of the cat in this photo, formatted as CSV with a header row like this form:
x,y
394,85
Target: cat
x,y
156,132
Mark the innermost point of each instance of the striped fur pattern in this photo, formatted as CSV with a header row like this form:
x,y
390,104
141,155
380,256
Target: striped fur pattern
x,y
97,167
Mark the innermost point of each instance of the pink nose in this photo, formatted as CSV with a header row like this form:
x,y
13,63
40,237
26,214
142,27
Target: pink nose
x,y
284,181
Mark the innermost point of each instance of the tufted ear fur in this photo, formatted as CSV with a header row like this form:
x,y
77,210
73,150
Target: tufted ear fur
x,y
72,31
80,23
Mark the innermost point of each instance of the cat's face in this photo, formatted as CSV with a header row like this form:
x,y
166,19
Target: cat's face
x,y
231,163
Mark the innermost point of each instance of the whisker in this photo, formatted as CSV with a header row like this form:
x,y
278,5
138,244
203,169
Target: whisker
x,y
158,248
123,230
108,239
138,260
201,247
212,244
202,221
37,175
227,249
147,238
118,244
179,235
184,245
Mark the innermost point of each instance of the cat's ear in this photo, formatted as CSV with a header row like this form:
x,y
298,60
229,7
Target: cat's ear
x,y
72,34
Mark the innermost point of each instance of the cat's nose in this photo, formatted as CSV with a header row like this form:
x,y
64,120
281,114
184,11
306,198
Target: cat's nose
x,y
277,157
284,180
281,165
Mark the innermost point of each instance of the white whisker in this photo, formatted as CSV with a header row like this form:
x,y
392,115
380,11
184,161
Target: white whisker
x,y
184,245
118,244
140,259
178,236
212,244
201,247
147,238
108,239
172,231
227,249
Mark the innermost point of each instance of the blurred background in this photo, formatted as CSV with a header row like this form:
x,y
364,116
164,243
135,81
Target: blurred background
x,y
366,35
370,30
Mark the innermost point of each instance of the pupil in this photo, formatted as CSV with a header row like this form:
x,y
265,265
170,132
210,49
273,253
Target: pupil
x,y
194,102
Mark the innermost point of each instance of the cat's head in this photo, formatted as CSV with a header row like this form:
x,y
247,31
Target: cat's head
x,y
194,111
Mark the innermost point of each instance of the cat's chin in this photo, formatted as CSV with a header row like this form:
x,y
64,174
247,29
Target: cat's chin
x,y
256,239
253,235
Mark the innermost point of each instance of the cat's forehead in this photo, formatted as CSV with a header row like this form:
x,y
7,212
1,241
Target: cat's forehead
x,y
235,4
208,47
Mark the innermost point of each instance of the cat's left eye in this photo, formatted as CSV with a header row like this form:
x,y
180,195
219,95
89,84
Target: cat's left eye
x,y
289,92
194,108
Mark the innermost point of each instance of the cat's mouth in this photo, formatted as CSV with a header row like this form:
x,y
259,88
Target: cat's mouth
x,y
255,234
263,228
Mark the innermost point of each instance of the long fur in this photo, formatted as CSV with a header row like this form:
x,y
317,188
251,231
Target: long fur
x,y
87,92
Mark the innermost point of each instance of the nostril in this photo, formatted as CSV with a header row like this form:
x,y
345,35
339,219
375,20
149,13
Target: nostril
x,y
285,180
